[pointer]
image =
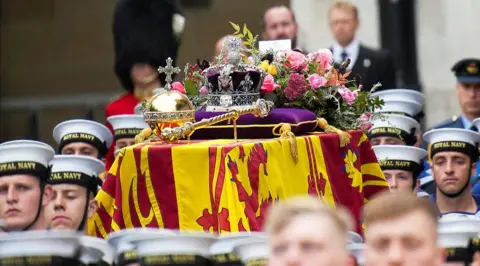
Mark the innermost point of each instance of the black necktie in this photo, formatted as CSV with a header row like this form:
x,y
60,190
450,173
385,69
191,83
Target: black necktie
x,y
344,56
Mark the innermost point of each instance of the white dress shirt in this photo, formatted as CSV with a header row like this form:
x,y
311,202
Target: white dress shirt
x,y
352,51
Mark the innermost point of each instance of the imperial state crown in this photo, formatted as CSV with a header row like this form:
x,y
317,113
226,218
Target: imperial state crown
x,y
233,85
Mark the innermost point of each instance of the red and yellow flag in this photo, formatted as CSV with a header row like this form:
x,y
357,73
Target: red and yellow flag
x,y
226,186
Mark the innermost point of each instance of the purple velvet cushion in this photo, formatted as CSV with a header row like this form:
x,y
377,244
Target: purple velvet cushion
x,y
302,121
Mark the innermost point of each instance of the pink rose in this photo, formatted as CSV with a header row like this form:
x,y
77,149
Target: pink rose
x,y
295,60
203,90
364,123
177,86
348,95
269,84
324,57
316,81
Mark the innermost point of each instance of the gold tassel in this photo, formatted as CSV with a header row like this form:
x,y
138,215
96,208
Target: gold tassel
x,y
287,134
344,136
142,136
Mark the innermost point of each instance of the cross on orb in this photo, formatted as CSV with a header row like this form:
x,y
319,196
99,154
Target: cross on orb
x,y
169,70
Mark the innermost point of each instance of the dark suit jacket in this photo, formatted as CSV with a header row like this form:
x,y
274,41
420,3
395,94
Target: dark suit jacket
x,y
374,66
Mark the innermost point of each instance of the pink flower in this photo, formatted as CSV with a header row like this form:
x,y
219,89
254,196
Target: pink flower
x,y
364,123
295,60
348,95
203,90
251,61
324,57
269,84
316,81
177,86
296,87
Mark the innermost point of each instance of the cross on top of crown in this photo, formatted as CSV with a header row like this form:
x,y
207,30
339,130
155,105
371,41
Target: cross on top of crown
x,y
169,70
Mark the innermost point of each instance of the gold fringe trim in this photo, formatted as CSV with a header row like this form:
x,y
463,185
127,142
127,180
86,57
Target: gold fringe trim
x,y
142,136
344,136
286,133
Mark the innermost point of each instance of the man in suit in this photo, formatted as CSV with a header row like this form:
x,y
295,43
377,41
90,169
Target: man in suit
x,y
371,65
279,23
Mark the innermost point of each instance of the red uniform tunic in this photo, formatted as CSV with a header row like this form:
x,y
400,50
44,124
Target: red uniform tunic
x,y
124,105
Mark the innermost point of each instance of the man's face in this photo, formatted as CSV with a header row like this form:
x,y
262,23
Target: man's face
x,y
396,242
143,73
67,207
19,200
386,141
309,240
80,148
451,171
279,24
343,25
469,98
124,142
399,179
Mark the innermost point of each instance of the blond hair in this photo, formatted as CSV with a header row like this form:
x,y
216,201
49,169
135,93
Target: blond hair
x,y
391,205
283,213
345,6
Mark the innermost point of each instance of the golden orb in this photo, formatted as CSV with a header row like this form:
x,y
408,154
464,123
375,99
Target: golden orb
x,y
168,109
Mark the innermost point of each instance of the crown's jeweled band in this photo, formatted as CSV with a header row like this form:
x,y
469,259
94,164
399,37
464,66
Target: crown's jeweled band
x,y
227,100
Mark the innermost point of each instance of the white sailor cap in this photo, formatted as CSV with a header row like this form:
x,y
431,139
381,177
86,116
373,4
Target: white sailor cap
x,y
23,142
453,139
357,250
252,249
400,157
186,243
81,130
45,244
400,107
78,170
354,238
127,126
121,241
221,251
25,158
400,95
399,126
95,250
455,233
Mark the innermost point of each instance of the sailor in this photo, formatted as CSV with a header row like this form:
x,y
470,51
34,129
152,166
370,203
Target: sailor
x,y
467,72
125,252
253,251
221,251
453,155
393,129
24,192
75,183
186,248
40,248
96,251
456,235
125,128
83,137
401,165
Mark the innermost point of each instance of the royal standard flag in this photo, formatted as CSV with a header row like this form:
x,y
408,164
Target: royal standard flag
x,y
226,186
